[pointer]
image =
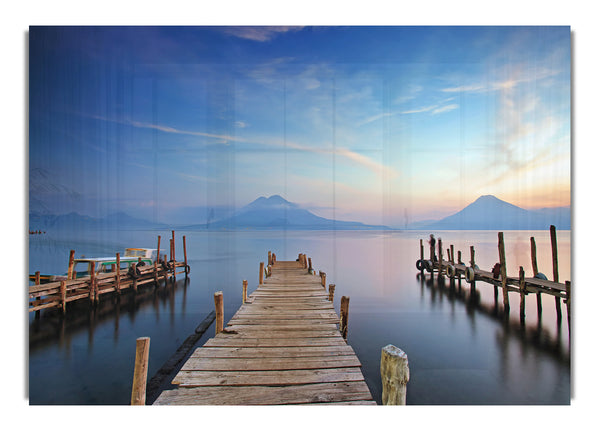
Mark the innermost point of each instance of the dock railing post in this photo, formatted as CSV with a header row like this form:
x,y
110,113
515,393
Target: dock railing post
x,y
534,268
394,376
186,268
310,268
269,257
344,309
92,282
140,372
323,279
522,293
261,273
156,261
244,291
441,258
71,263
218,312
568,302
63,296
422,255
331,291
502,255
555,267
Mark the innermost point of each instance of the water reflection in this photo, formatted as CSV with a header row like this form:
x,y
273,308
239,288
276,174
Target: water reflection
x,y
52,327
532,335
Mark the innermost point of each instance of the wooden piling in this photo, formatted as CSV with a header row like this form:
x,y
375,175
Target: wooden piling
x,y
441,258
472,263
71,264
173,245
344,309
555,267
118,274
422,255
37,278
310,268
502,256
92,282
522,294
186,268
219,312
459,262
323,279
63,296
261,273
140,372
331,291
394,375
269,258
534,268
244,291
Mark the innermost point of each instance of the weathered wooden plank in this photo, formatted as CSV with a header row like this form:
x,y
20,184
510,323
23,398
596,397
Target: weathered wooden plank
x,y
225,340
271,377
267,395
283,321
268,352
265,364
325,327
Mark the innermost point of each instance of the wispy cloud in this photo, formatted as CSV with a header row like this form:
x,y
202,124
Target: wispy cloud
x,y
445,108
433,109
259,34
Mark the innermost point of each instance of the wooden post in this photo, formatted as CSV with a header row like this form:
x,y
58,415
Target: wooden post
x,y
158,249
92,267
452,253
310,268
502,256
185,259
63,296
422,254
133,280
71,263
394,376
261,273
324,280
555,267
331,291
344,308
244,291
173,245
459,262
118,275
522,293
441,257
37,278
219,312
472,263
140,372
305,260
274,257
534,267
269,257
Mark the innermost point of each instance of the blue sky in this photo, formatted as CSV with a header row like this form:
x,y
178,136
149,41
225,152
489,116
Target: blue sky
x,y
375,124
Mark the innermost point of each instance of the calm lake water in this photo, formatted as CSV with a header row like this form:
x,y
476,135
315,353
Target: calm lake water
x,y
458,352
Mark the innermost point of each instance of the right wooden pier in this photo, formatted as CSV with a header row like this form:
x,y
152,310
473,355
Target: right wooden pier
x,y
498,277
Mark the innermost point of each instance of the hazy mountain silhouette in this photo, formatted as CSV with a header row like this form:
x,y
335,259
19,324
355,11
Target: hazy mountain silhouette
x,y
275,213
490,213
76,221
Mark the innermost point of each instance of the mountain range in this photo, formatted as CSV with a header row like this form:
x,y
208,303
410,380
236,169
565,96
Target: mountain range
x,y
490,213
277,213
486,213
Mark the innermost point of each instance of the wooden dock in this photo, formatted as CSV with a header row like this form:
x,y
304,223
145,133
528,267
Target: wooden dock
x,y
283,346
538,284
57,294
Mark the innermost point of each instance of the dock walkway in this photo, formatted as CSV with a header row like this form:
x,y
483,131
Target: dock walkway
x,y
282,346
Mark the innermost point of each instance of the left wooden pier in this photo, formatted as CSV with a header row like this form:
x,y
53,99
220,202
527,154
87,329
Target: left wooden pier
x,y
283,346
57,294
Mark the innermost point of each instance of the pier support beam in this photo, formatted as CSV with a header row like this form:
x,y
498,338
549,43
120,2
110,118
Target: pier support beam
x,y
555,267
344,308
140,372
331,291
219,312
534,268
394,376
502,256
261,273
